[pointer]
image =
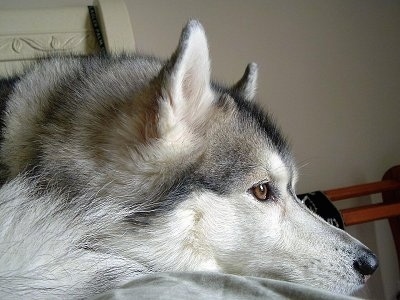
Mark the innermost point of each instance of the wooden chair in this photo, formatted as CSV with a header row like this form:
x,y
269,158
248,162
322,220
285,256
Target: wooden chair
x,y
389,208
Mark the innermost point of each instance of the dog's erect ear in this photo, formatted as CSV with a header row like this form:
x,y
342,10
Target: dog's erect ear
x,y
185,80
246,87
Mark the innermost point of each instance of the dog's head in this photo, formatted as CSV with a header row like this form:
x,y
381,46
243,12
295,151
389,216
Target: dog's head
x,y
231,181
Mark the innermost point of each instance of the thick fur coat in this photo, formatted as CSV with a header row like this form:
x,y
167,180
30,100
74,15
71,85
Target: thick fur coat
x,y
117,166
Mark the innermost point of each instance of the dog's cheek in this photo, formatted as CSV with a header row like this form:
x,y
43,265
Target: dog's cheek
x,y
255,236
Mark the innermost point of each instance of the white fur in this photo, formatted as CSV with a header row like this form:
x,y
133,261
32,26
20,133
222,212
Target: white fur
x,y
187,96
73,242
39,252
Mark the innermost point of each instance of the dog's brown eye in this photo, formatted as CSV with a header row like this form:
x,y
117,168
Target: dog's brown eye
x,y
261,191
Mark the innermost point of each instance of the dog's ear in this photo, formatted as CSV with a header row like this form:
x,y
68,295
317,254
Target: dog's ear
x,y
186,94
246,87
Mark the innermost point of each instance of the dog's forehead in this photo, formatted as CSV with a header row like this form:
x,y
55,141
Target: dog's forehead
x,y
272,142
243,147
259,153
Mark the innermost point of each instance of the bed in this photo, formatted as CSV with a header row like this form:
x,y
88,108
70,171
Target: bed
x,y
105,26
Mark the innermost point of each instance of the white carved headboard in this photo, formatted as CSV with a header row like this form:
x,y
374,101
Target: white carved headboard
x,y
31,33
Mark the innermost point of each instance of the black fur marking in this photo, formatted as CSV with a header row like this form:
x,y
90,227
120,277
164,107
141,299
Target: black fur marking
x,y
166,199
265,122
249,110
6,88
192,179
230,169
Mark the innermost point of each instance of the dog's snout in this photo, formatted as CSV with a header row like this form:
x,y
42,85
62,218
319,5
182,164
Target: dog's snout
x,y
366,263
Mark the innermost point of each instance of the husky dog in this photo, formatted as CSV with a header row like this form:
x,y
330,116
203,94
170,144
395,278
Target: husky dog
x,y
117,166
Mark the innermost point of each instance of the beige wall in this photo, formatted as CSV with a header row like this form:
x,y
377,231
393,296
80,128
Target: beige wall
x,y
329,71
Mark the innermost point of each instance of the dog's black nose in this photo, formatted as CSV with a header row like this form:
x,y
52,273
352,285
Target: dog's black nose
x,y
366,263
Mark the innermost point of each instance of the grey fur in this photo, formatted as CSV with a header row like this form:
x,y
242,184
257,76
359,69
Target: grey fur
x,y
246,87
102,155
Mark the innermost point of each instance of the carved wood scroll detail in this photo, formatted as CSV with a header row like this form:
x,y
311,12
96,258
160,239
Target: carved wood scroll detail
x,y
29,46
